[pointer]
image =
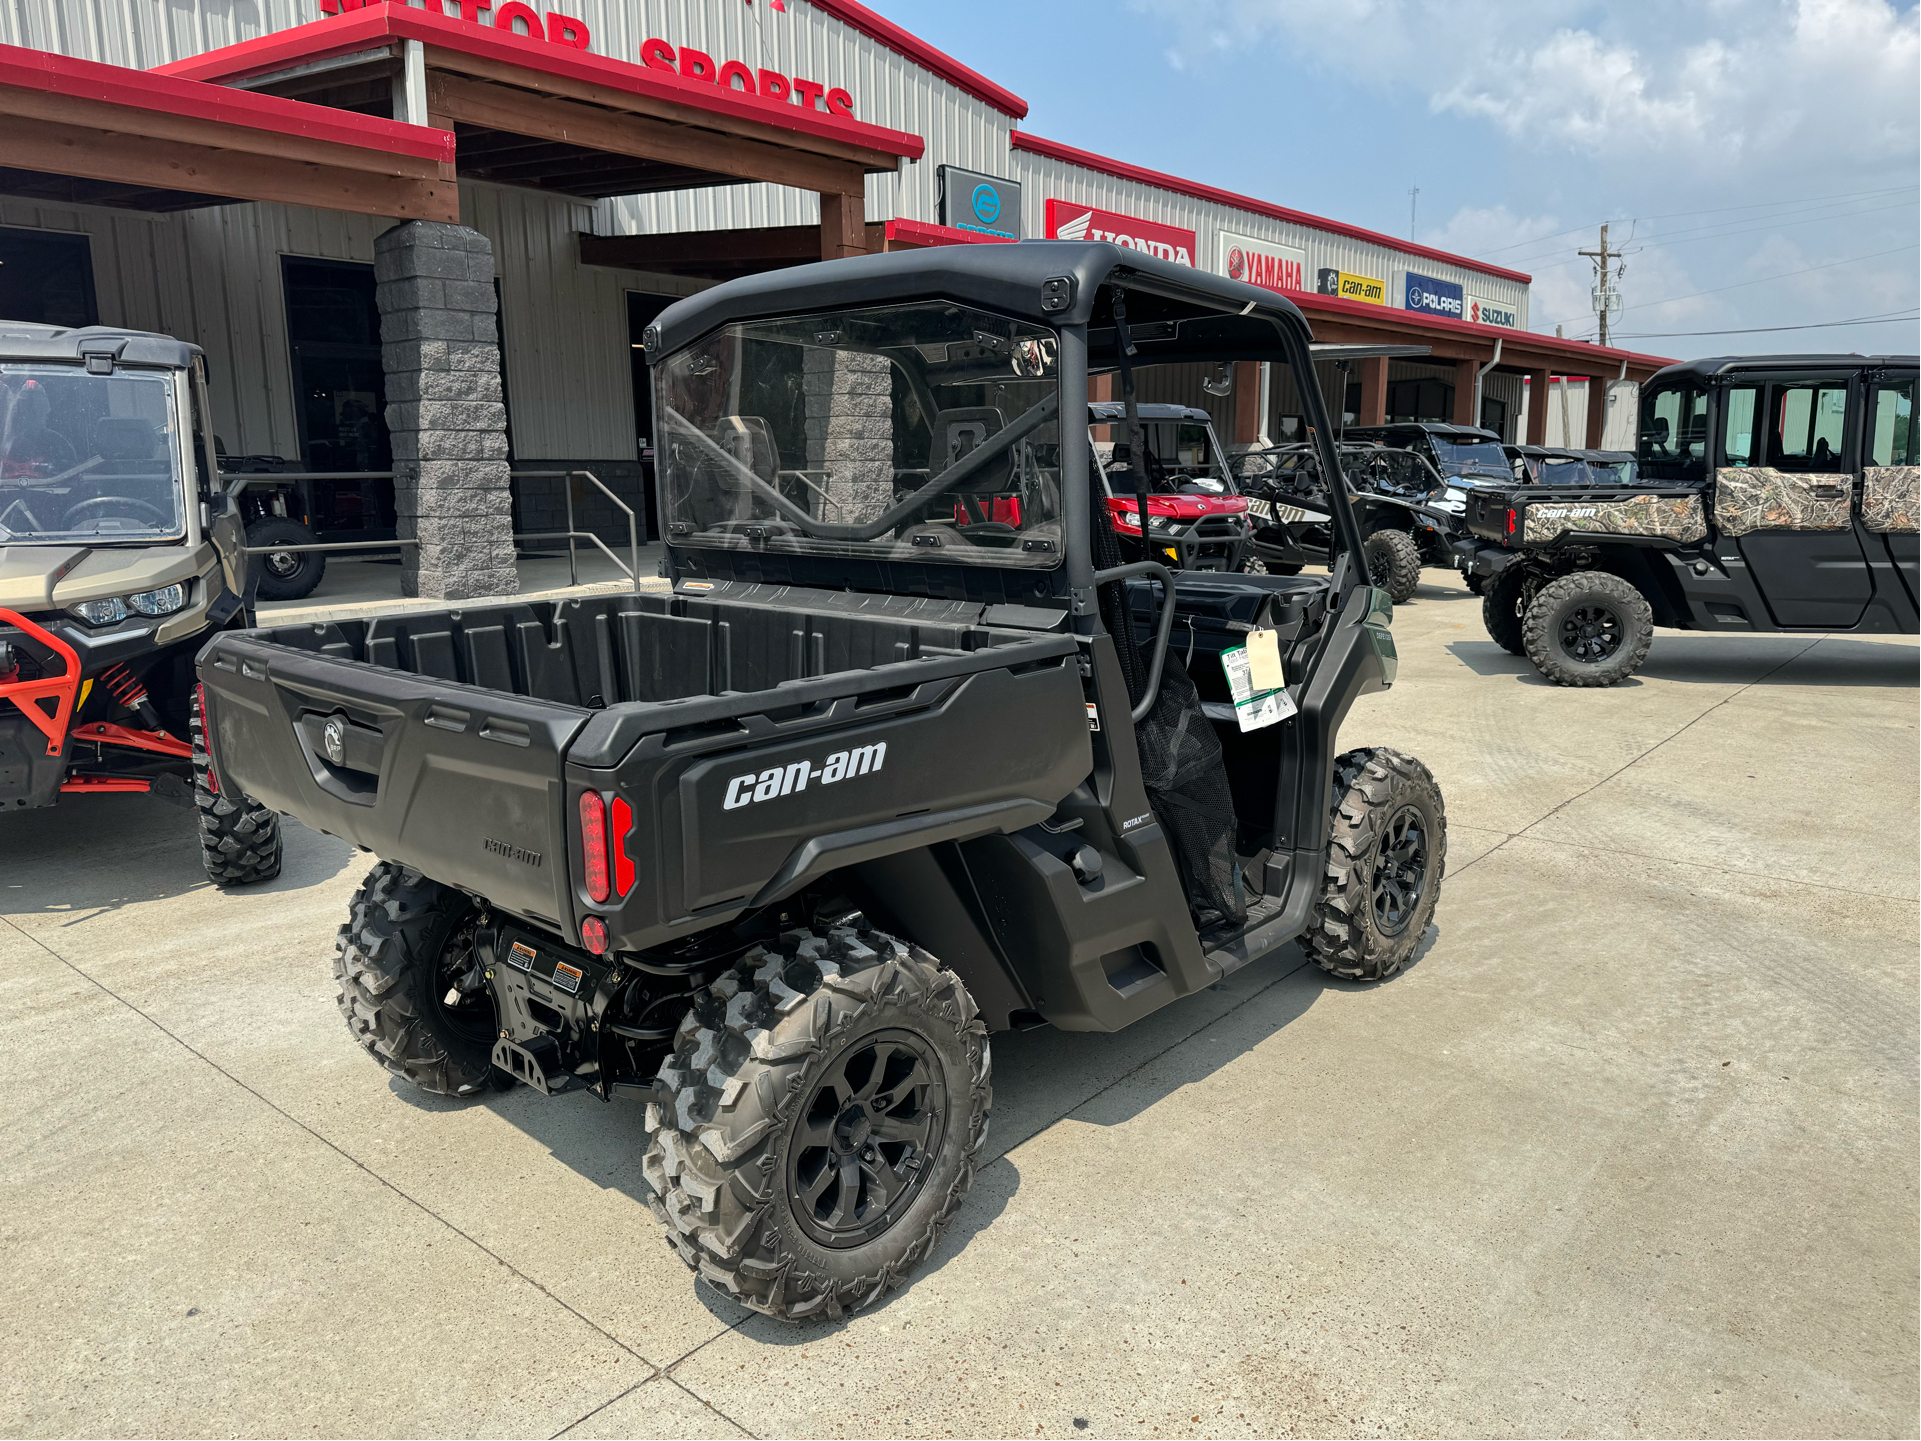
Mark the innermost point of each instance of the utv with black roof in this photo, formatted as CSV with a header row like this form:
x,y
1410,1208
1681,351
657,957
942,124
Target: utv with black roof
x,y
1774,493
1408,513
120,553
907,756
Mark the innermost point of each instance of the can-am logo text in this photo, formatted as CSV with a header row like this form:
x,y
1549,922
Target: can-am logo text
x,y
785,780
1566,512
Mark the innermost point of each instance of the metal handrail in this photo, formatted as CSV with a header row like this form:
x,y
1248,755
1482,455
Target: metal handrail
x,y
1162,635
629,568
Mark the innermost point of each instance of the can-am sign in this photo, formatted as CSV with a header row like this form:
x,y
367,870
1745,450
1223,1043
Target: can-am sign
x,y
1425,294
1259,262
1349,286
1089,222
1491,312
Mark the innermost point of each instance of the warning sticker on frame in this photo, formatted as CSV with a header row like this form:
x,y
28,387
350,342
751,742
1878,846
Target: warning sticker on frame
x,y
521,955
567,977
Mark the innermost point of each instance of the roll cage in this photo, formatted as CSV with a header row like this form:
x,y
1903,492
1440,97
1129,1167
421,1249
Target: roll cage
x,y
1170,314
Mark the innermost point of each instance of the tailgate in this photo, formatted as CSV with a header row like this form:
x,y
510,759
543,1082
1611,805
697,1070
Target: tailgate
x,y
462,783
1491,512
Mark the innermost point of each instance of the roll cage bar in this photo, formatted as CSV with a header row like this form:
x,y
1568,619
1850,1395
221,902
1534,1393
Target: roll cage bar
x,y
1172,313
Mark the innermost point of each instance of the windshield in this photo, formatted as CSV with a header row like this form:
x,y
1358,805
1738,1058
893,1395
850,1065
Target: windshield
x,y
93,458
911,432
1182,458
1482,456
1613,472
1563,470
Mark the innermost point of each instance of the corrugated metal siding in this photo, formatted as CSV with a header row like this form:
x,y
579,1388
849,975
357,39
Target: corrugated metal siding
x,y
1043,176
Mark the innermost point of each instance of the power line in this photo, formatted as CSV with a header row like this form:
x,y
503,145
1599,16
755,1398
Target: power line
x,y
1691,238
1721,210
1767,329
1741,284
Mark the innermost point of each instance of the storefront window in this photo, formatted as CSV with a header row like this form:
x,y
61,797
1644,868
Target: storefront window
x,y
918,432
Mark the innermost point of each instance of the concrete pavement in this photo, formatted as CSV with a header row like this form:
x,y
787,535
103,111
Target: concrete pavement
x,y
1631,1149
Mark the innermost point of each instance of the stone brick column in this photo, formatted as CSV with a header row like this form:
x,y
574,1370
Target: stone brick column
x,y
435,289
850,431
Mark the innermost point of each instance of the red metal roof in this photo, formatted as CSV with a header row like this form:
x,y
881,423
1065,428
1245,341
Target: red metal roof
x,y
936,62
1578,356
919,232
1088,160
146,90
391,20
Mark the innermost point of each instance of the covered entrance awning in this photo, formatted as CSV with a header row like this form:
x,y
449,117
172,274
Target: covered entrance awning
x,y
79,132
530,112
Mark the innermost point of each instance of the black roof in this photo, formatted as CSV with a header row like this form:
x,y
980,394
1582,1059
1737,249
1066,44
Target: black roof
x,y
1432,427
25,340
1716,365
1210,314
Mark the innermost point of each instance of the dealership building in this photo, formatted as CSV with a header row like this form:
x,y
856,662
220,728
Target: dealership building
x,y
429,243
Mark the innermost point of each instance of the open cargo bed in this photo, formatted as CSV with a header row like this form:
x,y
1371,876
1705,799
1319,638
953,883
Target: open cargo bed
x,y
460,741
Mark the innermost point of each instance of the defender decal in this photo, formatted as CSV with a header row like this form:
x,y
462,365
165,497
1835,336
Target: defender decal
x,y
785,780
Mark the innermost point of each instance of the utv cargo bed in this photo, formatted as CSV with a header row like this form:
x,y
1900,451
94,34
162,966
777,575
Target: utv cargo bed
x,y
1520,515
461,741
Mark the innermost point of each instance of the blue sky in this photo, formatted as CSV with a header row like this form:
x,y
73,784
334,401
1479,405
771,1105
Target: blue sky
x,y
1740,147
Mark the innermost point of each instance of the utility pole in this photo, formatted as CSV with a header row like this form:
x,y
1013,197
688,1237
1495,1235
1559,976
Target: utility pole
x,y
1606,298
1413,200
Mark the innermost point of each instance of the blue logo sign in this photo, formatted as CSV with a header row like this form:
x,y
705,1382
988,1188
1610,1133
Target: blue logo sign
x,y
1434,297
981,203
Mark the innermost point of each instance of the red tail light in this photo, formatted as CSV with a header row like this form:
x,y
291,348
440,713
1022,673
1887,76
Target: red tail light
x,y
622,819
1512,520
593,843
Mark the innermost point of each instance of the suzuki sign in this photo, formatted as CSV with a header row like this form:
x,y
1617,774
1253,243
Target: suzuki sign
x,y
1259,262
1492,312
1066,221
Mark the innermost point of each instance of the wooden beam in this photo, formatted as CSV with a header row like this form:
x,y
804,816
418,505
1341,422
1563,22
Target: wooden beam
x,y
1464,393
843,225
1247,402
100,115
773,244
1537,389
1597,408
1373,391
627,102
455,98
172,165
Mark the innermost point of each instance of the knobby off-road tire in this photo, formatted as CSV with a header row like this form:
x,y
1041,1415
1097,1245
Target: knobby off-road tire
x,y
1501,601
239,839
406,941
1386,854
1588,629
1393,563
760,1149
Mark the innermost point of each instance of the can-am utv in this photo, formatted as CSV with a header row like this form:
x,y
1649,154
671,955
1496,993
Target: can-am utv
x,y
1408,513
781,848
1771,493
119,554
1196,518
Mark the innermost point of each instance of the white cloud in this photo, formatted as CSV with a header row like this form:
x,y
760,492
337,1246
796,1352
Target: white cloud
x,y
1644,109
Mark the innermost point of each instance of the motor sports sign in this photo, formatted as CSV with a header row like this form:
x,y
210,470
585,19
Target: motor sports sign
x,y
1483,311
1067,221
1428,296
1259,262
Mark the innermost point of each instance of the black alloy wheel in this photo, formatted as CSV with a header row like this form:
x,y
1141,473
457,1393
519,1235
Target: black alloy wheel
x,y
863,1142
1400,875
1591,634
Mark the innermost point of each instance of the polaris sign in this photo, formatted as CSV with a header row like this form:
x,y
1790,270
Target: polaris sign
x,y
983,204
1429,296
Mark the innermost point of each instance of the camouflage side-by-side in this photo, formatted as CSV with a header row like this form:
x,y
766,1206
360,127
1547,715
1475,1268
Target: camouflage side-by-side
x,y
1672,518
1748,498
1891,498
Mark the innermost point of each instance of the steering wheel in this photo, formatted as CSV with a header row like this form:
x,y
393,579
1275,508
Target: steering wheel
x,y
160,517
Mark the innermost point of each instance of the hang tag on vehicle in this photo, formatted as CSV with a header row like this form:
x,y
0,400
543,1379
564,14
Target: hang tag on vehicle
x,y
1264,660
1253,708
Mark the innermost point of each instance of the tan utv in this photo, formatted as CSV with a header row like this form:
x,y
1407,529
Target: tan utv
x,y
120,555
